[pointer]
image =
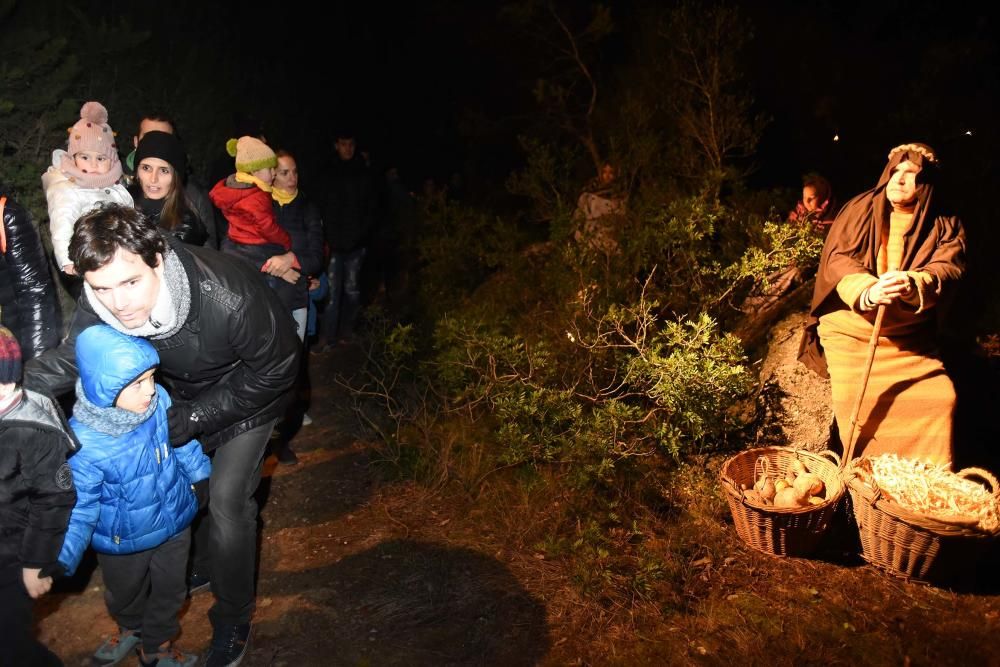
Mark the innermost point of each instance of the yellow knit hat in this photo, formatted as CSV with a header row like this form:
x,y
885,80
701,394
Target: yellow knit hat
x,y
251,154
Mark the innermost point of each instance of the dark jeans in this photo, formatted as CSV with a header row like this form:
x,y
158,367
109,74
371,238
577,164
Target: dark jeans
x,y
145,591
345,294
225,539
19,646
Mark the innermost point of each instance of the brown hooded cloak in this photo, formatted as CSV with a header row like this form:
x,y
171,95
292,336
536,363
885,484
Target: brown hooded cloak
x,y
907,381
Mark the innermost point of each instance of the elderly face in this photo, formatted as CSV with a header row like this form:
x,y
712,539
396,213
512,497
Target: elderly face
x,y
901,190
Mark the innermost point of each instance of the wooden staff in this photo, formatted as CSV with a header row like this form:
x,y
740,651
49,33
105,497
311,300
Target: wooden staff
x,y
856,410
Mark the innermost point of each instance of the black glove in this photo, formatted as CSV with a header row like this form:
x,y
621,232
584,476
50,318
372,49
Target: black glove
x,y
183,423
55,570
201,492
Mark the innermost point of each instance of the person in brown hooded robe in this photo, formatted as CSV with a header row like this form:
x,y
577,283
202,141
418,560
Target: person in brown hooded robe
x,y
893,246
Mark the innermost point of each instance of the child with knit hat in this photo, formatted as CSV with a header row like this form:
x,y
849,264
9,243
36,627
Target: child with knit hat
x,y
36,498
244,198
82,177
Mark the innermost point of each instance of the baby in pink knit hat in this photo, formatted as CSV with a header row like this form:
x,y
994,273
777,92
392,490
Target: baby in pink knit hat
x,y
82,177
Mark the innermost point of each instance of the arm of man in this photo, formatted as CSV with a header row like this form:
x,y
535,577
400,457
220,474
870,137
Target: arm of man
x,y
54,371
262,336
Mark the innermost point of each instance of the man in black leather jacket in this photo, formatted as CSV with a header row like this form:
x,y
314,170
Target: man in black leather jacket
x,y
28,305
228,354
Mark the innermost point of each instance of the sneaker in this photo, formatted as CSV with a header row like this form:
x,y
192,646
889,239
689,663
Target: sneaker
x,y
229,645
116,648
306,419
286,456
167,656
197,583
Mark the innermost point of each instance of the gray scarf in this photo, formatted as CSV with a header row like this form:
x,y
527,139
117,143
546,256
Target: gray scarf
x,y
113,421
170,310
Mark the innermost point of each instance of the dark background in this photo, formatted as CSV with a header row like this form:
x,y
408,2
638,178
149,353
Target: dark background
x,y
445,86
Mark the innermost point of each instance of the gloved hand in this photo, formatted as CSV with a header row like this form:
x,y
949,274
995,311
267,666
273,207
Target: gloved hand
x,y
182,423
55,570
201,493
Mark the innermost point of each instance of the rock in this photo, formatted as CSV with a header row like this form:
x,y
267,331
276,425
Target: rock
x,y
804,409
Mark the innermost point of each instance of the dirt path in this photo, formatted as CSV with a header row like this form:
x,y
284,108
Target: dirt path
x,y
343,581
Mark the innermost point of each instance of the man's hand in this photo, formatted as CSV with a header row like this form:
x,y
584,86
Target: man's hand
x,y
35,585
182,423
890,286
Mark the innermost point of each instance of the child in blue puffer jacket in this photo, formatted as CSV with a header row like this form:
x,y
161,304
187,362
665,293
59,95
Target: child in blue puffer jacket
x,y
136,495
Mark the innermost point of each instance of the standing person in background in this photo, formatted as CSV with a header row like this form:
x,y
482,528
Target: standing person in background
x,y
298,216
197,196
28,304
80,178
349,219
895,246
159,190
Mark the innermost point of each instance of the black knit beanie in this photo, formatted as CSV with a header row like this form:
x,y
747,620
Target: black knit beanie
x,y
164,146
10,357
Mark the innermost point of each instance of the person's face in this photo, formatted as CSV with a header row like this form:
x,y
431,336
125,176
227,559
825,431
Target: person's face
x,y
266,174
127,286
287,176
345,149
155,176
607,174
902,188
150,125
137,396
810,199
92,162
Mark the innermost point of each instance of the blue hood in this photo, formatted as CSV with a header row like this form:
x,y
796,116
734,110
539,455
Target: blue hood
x,y
109,361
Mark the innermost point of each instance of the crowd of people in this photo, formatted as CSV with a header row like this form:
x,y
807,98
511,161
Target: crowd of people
x,y
208,290
215,293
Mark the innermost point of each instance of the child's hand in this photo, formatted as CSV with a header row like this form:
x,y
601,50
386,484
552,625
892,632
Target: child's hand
x,y
313,284
35,585
69,269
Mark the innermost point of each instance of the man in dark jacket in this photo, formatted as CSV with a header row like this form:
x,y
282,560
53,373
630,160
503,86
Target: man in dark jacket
x,y
28,305
348,217
228,353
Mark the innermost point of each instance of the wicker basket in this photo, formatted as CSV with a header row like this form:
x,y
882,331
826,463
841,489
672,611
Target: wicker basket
x,y
781,531
914,546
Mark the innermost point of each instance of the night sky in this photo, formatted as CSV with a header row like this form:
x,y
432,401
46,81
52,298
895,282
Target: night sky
x,y
444,85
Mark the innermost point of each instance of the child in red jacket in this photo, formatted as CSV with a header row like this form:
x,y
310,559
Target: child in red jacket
x,y
244,198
